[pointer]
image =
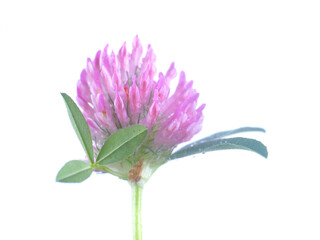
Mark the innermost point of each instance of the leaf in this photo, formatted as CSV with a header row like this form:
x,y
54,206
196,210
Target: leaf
x,y
74,171
121,144
80,126
221,144
220,135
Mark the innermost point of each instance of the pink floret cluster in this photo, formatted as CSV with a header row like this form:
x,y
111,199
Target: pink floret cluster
x,y
117,91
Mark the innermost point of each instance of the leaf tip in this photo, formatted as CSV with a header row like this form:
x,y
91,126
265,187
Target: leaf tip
x,y
58,178
266,154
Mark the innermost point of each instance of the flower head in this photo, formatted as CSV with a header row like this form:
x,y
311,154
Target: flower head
x,y
119,90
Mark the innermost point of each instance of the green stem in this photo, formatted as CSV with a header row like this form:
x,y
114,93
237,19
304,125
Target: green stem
x,y
136,211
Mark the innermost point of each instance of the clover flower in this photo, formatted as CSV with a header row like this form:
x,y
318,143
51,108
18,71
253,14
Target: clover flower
x,y
130,124
117,91
120,90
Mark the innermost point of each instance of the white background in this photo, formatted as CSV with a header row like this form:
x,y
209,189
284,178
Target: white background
x,y
254,63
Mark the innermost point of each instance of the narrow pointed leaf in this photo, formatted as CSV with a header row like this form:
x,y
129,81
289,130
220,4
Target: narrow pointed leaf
x,y
121,144
74,171
220,135
80,126
222,144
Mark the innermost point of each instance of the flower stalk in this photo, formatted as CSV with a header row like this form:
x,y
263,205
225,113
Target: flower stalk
x,y
136,210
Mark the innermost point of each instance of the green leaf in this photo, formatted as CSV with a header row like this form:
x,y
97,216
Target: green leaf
x,y
80,126
221,144
74,171
121,144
